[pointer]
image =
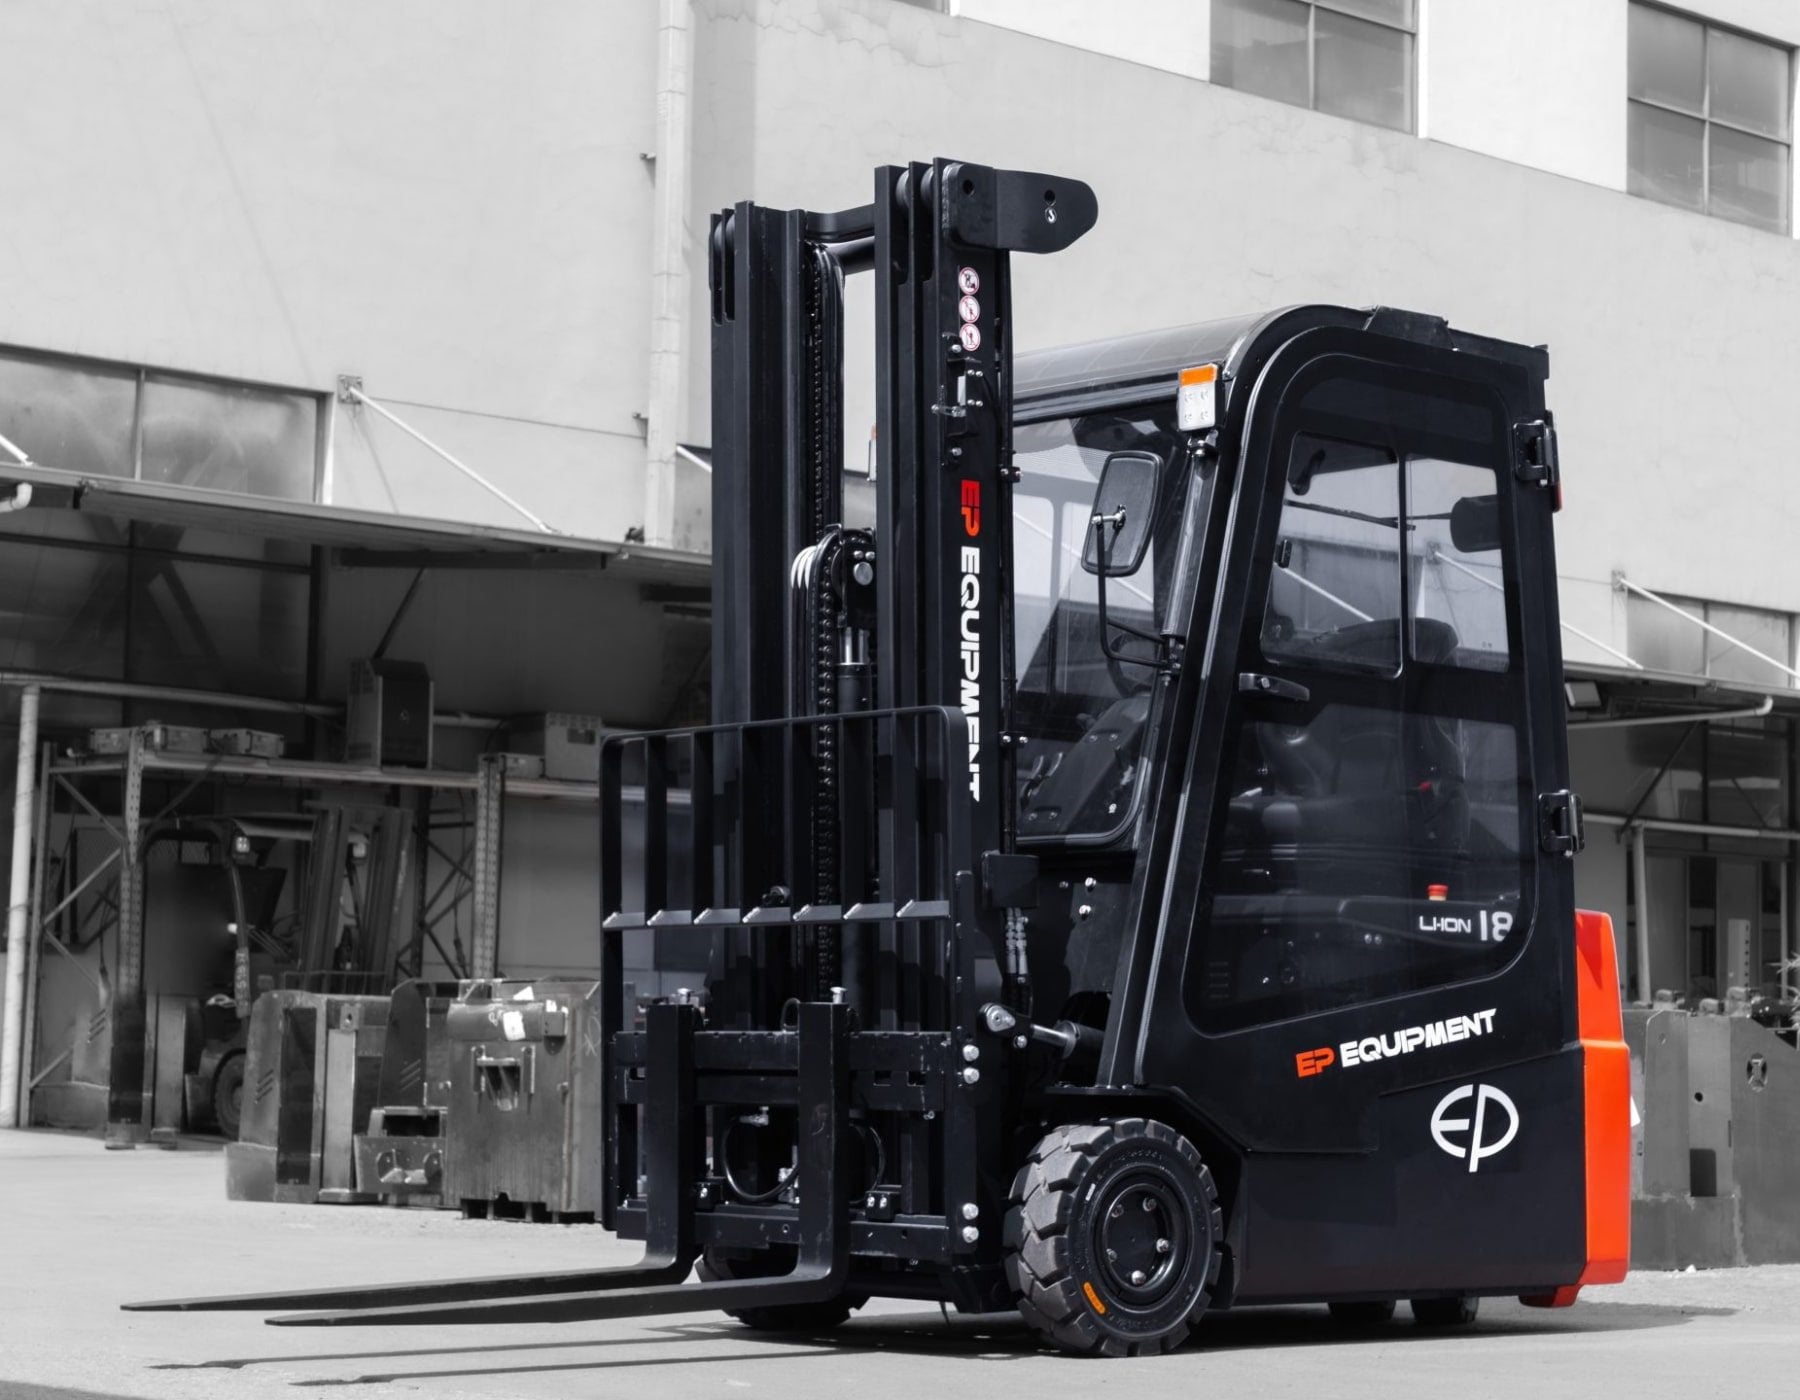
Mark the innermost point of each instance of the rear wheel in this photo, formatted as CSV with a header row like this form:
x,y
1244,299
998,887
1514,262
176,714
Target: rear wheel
x,y
228,1094
1445,1312
1364,1312
781,1317
1113,1237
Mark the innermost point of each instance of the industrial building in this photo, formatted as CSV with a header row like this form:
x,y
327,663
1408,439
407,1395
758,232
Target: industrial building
x,y
352,353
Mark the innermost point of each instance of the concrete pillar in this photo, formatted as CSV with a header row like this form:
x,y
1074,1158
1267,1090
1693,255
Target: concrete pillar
x,y
18,911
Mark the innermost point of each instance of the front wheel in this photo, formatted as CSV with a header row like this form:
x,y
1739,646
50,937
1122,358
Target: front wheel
x,y
228,1094
1114,1237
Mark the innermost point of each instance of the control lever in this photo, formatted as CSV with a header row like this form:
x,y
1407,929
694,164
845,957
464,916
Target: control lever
x,y
1256,683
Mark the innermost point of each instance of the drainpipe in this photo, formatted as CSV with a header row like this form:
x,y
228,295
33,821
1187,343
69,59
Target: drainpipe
x,y
18,910
1640,876
668,268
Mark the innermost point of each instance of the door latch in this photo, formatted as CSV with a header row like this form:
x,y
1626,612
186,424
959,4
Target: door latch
x,y
1560,828
1257,683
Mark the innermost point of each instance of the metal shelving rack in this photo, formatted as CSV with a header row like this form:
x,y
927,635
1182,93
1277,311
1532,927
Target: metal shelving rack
x,y
474,879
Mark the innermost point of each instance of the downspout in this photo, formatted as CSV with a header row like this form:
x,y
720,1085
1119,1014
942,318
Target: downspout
x,y
18,909
668,268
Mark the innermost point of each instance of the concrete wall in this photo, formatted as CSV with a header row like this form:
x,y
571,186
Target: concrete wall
x,y
444,196
1171,34
1540,82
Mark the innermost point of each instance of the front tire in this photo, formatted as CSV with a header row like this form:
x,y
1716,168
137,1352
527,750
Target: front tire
x,y
1114,1238
228,1094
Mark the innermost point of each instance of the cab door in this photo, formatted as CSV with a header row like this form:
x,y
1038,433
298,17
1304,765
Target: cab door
x,y
1376,922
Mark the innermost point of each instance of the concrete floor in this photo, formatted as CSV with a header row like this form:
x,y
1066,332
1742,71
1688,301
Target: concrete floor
x,y
87,1229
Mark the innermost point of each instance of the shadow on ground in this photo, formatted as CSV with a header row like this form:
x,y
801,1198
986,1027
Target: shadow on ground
x,y
994,1337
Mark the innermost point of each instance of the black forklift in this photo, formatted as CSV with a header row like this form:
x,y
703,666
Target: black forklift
x,y
1135,872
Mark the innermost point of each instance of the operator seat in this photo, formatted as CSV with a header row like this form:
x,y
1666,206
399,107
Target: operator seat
x,y
1090,775
1359,800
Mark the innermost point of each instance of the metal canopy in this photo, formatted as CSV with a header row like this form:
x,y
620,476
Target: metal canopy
x,y
1627,696
366,538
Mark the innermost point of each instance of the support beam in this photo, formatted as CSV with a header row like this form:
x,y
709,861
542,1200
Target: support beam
x,y
125,1087
18,909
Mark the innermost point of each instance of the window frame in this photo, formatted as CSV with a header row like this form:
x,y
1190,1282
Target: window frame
x,y
1411,126
1706,118
146,376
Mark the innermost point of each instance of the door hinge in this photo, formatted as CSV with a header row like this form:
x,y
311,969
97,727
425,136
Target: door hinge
x,y
1560,828
1534,455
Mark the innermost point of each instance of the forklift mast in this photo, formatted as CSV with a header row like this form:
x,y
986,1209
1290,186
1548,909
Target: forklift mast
x,y
1167,908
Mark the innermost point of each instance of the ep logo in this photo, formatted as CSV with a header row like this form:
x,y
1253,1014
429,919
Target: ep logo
x,y
1485,1137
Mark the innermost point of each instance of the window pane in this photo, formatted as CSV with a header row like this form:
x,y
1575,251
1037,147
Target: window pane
x,y
1749,179
1748,83
1766,631
1363,71
1334,595
1459,608
1260,46
1661,641
1665,156
1366,852
76,418
229,438
1667,62
1401,12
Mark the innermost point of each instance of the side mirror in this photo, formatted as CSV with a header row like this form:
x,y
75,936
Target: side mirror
x,y
1124,504
1475,524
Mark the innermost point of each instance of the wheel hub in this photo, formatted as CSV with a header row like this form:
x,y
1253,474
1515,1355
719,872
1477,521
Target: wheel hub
x,y
1142,1238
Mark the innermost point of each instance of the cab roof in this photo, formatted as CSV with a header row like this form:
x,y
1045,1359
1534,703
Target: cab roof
x,y
1102,369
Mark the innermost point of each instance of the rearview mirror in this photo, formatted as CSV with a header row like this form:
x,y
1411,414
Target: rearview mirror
x,y
1124,503
1475,524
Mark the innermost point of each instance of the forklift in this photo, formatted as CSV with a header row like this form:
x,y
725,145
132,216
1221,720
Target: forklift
x,y
1136,871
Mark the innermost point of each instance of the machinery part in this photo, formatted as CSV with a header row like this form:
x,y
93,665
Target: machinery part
x,y
1363,1312
822,1316
1114,1237
228,1094
1445,1312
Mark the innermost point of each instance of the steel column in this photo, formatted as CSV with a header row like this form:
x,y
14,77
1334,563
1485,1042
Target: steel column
x,y
34,938
490,817
18,909
125,1088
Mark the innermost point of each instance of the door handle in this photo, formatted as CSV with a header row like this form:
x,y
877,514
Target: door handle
x,y
1256,683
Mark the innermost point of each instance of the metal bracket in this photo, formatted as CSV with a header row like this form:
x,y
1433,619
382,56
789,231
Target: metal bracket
x,y
1534,452
349,388
1561,831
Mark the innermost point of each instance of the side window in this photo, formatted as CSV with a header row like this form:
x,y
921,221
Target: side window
x,y
1336,587
1334,592
1458,611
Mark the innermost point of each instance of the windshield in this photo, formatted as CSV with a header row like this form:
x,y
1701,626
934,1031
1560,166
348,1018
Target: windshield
x,y
1082,714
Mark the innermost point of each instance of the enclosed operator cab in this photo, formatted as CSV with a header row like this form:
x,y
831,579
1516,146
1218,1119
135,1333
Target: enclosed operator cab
x,y
1293,763
1134,871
